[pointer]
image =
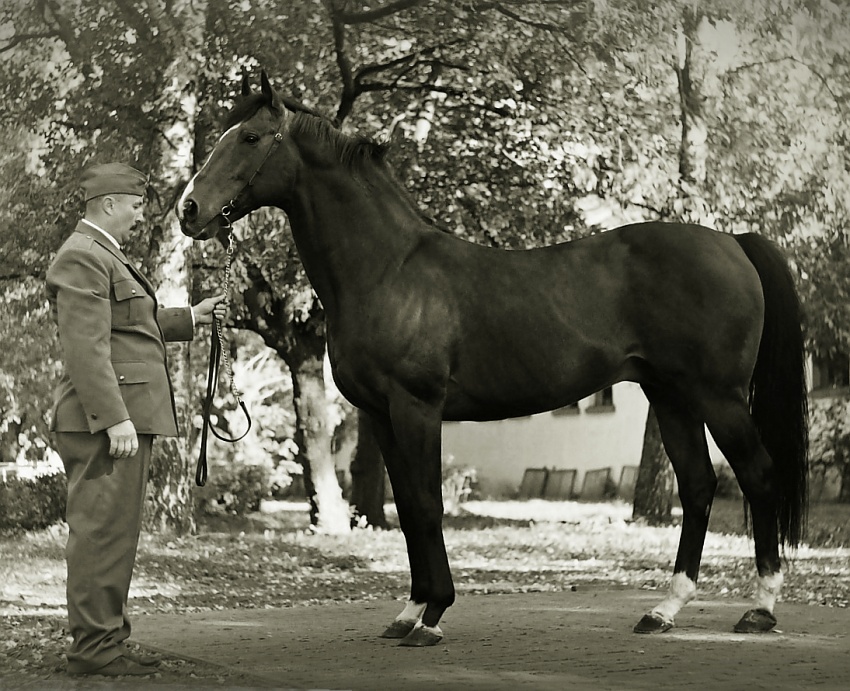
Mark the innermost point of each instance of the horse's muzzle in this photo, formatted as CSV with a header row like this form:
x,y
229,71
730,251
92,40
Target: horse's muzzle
x,y
188,216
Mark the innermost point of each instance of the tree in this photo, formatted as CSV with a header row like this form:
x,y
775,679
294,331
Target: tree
x,y
368,477
513,124
654,486
87,95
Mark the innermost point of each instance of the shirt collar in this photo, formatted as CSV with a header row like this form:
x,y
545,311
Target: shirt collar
x,y
101,230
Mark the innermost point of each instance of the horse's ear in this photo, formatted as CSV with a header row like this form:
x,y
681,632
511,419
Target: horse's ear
x,y
268,91
246,83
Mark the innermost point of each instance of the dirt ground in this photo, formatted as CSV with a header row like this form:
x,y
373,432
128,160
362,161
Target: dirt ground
x,y
533,641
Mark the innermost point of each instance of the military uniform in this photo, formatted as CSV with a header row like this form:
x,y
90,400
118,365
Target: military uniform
x,y
112,334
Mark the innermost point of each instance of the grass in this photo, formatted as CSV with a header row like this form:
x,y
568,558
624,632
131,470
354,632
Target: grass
x,y
273,559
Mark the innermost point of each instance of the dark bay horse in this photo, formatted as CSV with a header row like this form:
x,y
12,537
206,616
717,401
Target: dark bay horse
x,y
424,327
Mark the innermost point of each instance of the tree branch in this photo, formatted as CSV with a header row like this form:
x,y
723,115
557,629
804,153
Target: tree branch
x,y
510,14
139,23
407,60
839,101
378,13
21,38
349,90
65,32
438,88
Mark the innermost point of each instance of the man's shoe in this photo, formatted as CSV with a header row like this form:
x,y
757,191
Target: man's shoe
x,y
146,660
120,667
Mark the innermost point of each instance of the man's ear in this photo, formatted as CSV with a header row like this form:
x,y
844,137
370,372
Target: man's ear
x,y
107,204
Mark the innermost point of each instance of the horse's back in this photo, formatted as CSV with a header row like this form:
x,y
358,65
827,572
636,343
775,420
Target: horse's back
x,y
646,302
508,333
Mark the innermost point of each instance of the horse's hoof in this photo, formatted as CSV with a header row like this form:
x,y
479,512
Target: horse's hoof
x,y
652,623
756,621
422,637
398,629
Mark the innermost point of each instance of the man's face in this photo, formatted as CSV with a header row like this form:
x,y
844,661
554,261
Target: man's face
x,y
127,213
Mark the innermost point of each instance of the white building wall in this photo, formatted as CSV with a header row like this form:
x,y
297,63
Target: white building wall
x,y
592,439
588,440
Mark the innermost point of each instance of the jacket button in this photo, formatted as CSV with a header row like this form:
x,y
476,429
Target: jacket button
x,y
121,378
133,291
94,416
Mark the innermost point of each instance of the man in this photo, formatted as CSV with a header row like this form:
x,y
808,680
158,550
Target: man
x,y
114,397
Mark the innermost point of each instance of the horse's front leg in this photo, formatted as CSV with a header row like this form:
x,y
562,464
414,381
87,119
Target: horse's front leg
x,y
410,442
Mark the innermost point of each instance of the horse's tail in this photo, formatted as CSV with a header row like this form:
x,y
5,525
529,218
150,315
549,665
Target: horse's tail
x,y
778,390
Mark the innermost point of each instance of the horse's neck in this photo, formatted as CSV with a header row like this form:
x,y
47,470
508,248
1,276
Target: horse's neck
x,y
350,235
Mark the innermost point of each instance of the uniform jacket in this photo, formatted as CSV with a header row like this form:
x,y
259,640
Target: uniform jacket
x,y
112,334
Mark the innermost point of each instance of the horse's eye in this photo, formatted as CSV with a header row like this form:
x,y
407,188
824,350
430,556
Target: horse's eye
x,y
251,139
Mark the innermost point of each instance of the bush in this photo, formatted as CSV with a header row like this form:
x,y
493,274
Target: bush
x,y
234,489
31,504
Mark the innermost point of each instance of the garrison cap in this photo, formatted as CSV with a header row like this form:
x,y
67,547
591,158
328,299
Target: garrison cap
x,y
112,178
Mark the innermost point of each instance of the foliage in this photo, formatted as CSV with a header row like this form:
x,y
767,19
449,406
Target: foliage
x,y
829,443
32,503
829,434
234,489
512,124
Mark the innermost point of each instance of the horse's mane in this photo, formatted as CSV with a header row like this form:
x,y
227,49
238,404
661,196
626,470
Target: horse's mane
x,y
353,152
350,150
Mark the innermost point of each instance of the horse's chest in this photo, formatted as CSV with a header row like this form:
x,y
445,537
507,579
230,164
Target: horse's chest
x,y
352,368
370,362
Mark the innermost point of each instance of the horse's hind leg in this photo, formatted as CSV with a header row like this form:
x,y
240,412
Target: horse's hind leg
x,y
410,443
685,443
732,427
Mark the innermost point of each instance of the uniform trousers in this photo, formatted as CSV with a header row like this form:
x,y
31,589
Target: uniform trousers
x,y
106,497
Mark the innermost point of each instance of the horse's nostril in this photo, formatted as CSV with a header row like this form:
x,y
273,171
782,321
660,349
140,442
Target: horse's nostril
x,y
190,210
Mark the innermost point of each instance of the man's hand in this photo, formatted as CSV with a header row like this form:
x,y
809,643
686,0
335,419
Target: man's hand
x,y
123,441
205,310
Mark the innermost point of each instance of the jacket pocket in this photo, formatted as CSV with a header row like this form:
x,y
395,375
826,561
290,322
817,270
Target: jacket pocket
x,y
132,372
134,381
129,302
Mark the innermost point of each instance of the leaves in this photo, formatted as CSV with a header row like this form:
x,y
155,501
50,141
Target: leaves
x,y
512,124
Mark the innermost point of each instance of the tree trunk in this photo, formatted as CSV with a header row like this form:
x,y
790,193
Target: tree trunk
x,y
328,510
300,342
368,479
169,500
693,149
654,486
181,31
844,494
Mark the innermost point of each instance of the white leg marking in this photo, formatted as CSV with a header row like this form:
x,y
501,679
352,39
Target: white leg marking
x,y
767,590
412,611
682,590
436,630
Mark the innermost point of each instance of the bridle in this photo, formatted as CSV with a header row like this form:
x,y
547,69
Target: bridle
x,y
230,207
218,343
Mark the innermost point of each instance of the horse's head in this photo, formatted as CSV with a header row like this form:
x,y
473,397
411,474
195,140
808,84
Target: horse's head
x,y
242,173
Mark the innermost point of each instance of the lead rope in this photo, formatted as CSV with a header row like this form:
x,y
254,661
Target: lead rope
x,y
218,350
